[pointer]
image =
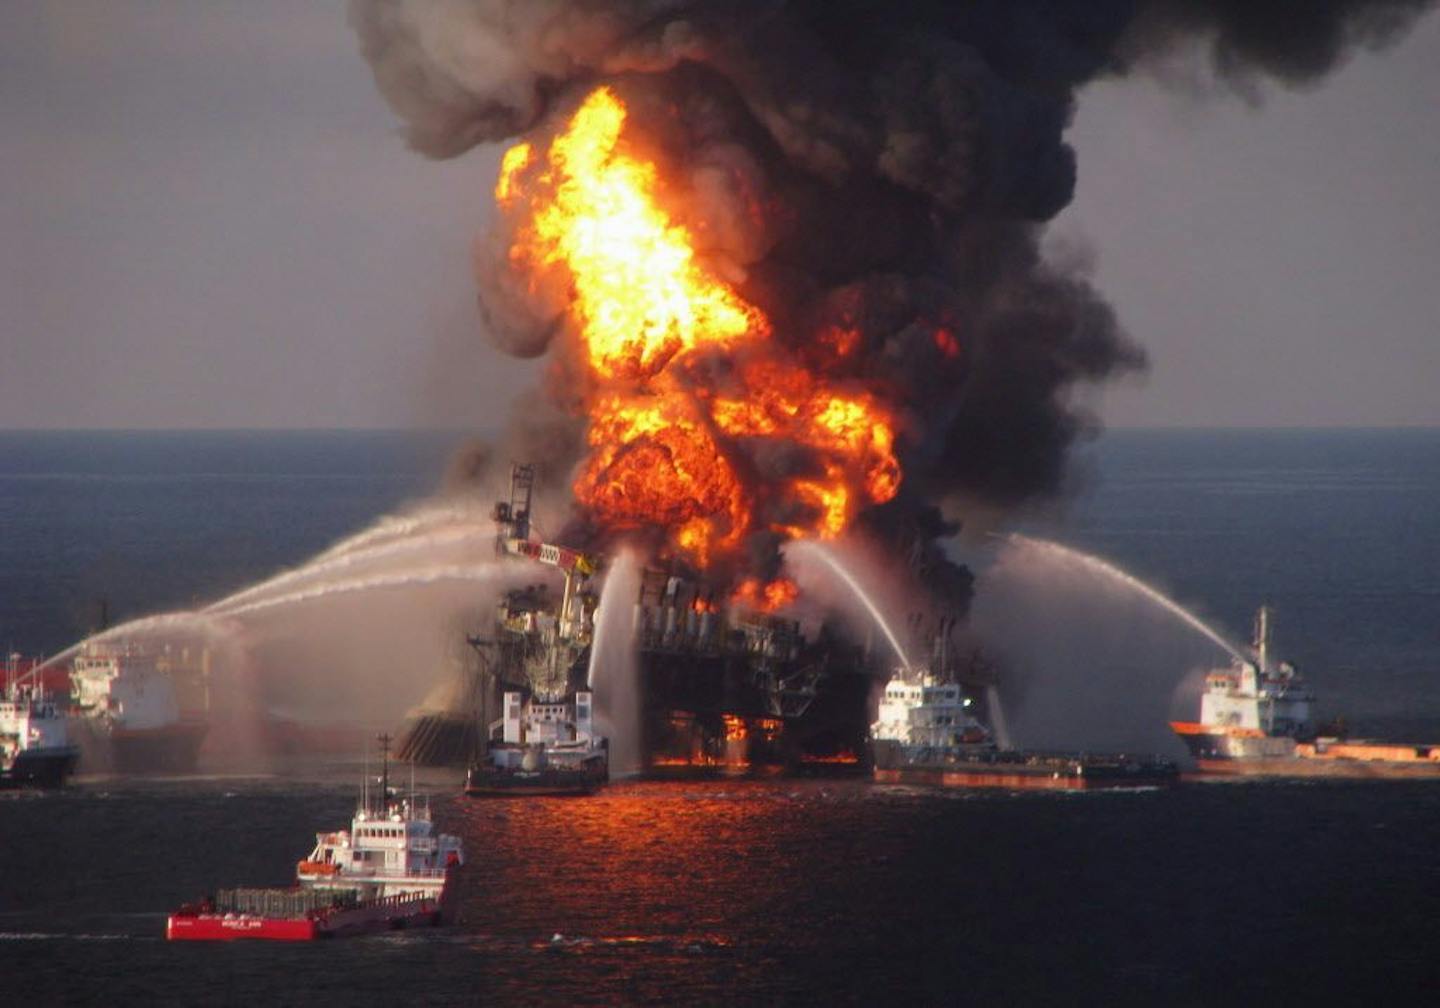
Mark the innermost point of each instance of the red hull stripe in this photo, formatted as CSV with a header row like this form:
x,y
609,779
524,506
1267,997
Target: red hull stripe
x,y
231,928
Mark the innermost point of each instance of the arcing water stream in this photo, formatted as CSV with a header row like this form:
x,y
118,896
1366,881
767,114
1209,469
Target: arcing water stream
x,y
1074,557
401,526
423,576
389,537
809,547
331,563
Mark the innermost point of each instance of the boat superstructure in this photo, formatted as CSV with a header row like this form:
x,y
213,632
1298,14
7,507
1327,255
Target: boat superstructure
x,y
548,746
35,747
1257,718
391,849
128,699
919,712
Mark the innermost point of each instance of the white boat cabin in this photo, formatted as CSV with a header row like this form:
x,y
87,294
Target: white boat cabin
x,y
385,852
925,711
1258,696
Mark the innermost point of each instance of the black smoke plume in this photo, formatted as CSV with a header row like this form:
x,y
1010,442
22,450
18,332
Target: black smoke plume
x,y
881,167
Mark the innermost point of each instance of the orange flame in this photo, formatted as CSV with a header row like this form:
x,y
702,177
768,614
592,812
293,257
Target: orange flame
x,y
667,437
766,597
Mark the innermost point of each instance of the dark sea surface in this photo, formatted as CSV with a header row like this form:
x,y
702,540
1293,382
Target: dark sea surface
x,y
154,521
777,891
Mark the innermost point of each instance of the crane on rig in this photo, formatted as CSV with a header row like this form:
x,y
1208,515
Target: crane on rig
x,y
512,538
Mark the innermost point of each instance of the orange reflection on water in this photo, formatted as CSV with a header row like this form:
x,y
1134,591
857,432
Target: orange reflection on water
x,y
636,861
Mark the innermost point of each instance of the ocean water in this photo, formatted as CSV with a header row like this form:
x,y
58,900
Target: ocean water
x,y
141,522
763,891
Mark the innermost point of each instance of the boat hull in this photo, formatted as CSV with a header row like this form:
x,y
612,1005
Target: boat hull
x,y
1352,769
1021,770
175,748
45,768
1018,779
387,915
486,782
1219,753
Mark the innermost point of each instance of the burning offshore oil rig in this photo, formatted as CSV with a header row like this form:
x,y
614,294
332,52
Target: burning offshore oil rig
x,y
712,437
786,264
721,683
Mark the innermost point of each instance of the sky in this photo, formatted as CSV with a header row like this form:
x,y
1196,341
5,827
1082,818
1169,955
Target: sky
x,y
208,219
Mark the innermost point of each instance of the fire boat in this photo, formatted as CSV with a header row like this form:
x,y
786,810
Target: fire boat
x,y
389,870
927,732
1256,720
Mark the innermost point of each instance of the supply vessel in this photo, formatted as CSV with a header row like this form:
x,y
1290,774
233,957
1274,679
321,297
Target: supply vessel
x,y
389,870
1257,719
926,732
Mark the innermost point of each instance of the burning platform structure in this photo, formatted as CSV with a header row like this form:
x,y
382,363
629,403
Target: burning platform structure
x,y
723,685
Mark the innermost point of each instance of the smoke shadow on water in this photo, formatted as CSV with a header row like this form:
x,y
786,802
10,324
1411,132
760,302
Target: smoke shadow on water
x,y
1086,661
614,672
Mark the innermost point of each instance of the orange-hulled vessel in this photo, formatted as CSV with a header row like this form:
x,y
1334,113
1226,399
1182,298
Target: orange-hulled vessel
x,y
1257,720
389,870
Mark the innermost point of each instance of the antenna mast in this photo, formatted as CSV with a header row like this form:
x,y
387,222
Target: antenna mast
x,y
384,741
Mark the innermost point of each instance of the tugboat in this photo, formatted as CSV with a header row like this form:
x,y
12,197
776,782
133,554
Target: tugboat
x,y
1256,720
35,749
390,870
926,733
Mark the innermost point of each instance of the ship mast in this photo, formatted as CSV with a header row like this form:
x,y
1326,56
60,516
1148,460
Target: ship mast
x,y
384,741
1262,638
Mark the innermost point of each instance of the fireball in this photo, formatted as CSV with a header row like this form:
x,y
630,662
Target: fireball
x,y
671,443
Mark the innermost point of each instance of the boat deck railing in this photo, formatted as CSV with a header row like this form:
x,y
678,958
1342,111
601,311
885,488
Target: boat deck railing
x,y
381,874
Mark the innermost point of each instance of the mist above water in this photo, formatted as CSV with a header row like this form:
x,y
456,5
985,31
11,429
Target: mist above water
x,y
1107,570
1089,660
445,540
356,635
486,572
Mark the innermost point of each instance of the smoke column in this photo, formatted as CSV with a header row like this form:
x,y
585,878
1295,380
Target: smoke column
x,y
873,177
